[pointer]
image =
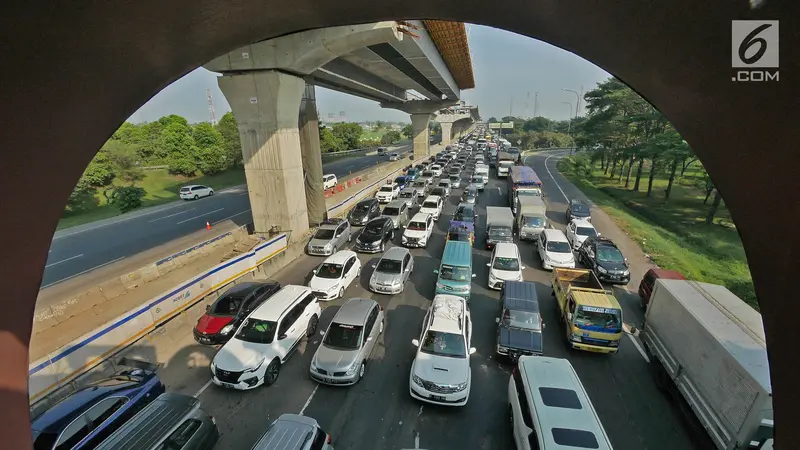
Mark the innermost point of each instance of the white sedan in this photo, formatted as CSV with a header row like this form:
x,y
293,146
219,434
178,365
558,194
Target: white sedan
x,y
335,275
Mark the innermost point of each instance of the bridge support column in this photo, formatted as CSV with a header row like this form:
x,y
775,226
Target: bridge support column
x,y
422,135
311,156
447,132
265,104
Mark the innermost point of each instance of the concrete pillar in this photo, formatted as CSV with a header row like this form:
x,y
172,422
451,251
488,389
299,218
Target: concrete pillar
x,y
422,135
447,132
311,156
265,104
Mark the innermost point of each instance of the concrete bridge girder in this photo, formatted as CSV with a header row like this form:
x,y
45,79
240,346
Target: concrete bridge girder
x,y
449,123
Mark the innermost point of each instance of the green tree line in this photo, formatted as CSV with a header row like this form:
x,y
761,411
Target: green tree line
x,y
538,132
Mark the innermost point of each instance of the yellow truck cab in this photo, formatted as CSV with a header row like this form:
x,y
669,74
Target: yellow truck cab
x,y
592,315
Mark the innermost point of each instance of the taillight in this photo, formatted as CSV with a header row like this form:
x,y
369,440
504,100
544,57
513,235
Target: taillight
x,y
213,420
330,440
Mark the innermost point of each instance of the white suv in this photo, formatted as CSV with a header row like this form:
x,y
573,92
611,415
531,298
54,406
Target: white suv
x,y
388,192
195,191
432,205
418,231
266,339
441,373
329,181
505,265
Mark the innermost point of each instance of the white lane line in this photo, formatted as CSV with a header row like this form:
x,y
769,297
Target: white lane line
x,y
627,330
553,178
115,222
308,402
202,389
81,273
63,261
201,215
230,217
416,440
171,215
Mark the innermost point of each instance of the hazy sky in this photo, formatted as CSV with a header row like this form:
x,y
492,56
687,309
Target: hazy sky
x,y
506,65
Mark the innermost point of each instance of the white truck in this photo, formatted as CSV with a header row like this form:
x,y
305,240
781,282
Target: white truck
x,y
531,218
707,348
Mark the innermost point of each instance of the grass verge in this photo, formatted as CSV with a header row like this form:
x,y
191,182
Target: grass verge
x,y
672,233
161,188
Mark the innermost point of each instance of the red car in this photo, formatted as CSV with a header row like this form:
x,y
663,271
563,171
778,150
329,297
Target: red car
x,y
649,282
225,315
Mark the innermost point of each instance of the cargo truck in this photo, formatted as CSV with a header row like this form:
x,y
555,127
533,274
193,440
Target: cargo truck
x,y
505,161
707,349
531,217
522,180
592,316
499,226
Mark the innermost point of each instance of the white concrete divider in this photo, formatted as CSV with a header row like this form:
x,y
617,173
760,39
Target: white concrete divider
x,y
81,355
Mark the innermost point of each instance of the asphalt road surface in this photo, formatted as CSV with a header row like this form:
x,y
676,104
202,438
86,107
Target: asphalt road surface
x,y
77,251
378,413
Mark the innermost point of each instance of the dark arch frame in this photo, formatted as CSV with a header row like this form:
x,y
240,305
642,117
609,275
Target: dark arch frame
x,y
75,70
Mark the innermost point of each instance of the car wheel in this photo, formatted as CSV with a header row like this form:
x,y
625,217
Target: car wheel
x,y
335,249
341,292
312,326
391,236
273,370
210,193
361,371
196,196
383,246
380,330
358,272
350,237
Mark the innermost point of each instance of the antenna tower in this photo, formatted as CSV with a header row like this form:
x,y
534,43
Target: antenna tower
x,y
211,107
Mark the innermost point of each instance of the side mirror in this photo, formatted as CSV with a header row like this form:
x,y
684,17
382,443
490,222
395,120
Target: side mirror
x,y
415,342
626,260
598,234
208,307
521,267
436,271
282,337
488,264
544,325
569,316
322,333
472,350
473,275
314,271
496,320
369,339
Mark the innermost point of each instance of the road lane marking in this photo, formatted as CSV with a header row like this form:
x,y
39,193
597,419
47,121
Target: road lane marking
x,y
202,389
201,215
63,261
171,215
81,273
308,402
553,178
230,217
117,221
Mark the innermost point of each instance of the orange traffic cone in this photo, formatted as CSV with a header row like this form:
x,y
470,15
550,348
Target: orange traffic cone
x,y
208,225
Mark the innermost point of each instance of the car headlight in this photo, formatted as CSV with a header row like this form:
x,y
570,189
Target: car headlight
x,y
328,246
353,368
226,329
601,269
576,337
333,288
213,368
258,366
626,272
439,286
461,386
314,365
492,278
417,380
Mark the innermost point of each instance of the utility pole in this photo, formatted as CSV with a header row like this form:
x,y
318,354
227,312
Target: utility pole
x,y
536,105
577,102
211,107
578,111
510,106
569,124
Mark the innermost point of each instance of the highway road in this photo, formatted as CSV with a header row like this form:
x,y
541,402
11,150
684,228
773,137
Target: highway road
x,y
378,413
79,250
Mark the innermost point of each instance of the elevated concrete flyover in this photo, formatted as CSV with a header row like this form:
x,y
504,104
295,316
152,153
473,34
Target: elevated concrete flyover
x,y
455,120
415,66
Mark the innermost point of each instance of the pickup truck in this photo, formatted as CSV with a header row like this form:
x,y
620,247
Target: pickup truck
x,y
707,347
592,316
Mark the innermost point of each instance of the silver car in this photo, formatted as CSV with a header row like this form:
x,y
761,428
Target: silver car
x,y
445,183
422,187
392,271
341,359
330,237
455,181
470,194
409,195
398,211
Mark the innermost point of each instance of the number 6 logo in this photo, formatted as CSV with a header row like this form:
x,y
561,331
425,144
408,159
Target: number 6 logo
x,y
754,43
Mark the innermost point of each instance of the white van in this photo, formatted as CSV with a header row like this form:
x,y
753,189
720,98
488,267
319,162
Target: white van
x,y
482,171
550,409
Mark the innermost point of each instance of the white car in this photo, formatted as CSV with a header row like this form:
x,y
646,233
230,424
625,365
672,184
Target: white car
x,y
394,157
266,339
436,169
335,274
505,265
554,250
445,183
195,191
440,372
432,205
329,181
418,231
388,192
578,230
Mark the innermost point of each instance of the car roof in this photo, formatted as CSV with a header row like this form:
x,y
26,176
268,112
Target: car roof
x,y
432,198
553,234
465,205
189,186
340,257
581,222
395,253
354,311
448,312
421,217
287,432
506,250
245,288
667,274
383,219
367,201
576,201
329,226
602,240
279,302
395,203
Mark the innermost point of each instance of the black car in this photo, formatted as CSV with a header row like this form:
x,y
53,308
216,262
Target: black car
x,y
375,235
604,258
227,312
364,211
519,326
578,209
465,212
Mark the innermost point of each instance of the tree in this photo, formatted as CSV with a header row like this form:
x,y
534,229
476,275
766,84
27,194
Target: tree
x,y
328,142
179,149
434,127
212,157
349,133
390,137
125,160
100,171
714,207
128,198
231,141
408,131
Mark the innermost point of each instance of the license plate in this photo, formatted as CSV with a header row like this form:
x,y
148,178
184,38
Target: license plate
x,y
229,386
438,398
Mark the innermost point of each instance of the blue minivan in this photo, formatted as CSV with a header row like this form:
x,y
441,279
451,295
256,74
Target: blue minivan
x,y
455,271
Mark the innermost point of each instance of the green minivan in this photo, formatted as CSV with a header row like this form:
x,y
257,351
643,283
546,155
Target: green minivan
x,y
455,271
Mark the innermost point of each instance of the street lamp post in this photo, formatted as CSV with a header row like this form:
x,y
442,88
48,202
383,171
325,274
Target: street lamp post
x,y
577,101
569,124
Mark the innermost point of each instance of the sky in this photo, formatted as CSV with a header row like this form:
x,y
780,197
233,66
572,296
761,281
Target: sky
x,y
509,70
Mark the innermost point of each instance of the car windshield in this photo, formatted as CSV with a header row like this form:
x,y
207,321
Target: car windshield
x,y
526,320
406,194
438,191
417,226
257,331
476,180
324,233
586,231
330,270
454,273
400,180
391,211
419,183
387,189
606,253
500,231
427,174
532,221
444,344
591,316
390,266
432,205
227,305
362,207
343,336
374,228
444,184
580,208
558,247
464,214
501,263
455,178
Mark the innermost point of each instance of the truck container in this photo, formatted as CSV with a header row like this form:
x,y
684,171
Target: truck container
x,y
522,180
707,347
531,218
499,225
